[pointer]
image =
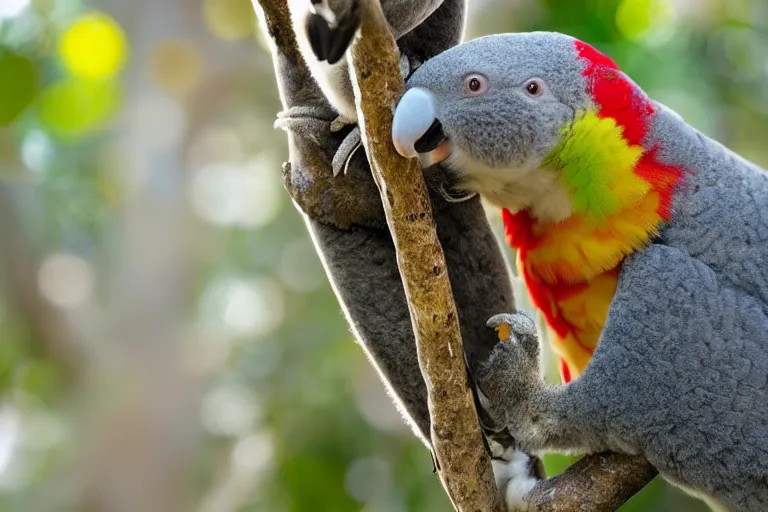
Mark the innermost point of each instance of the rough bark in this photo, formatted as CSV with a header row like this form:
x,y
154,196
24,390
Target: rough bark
x,y
599,482
460,456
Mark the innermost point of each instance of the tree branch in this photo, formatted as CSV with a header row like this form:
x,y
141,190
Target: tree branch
x,y
599,483
461,458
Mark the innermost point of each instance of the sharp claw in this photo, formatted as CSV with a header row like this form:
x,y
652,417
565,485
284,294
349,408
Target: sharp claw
x,y
347,149
504,322
330,35
342,37
318,34
405,66
453,195
322,9
343,34
500,319
349,159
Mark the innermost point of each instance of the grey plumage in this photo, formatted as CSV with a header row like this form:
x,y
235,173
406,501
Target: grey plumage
x,y
680,373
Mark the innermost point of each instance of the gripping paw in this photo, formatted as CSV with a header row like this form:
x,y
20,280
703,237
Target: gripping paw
x,y
517,327
511,372
330,31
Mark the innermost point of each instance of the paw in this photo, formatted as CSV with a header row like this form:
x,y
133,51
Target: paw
x,y
330,31
515,477
511,372
517,330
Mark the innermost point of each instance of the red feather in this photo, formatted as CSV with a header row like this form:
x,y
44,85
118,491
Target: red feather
x,y
618,98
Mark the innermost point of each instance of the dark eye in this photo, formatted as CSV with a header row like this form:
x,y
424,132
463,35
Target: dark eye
x,y
476,84
534,87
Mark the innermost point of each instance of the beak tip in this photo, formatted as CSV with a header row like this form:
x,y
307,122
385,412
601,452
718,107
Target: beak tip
x,y
403,151
413,116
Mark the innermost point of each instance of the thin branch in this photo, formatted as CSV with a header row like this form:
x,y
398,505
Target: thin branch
x,y
600,482
461,459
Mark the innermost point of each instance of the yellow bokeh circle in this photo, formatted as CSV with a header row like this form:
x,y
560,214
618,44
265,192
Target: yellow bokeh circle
x,y
93,47
176,66
73,107
229,19
635,18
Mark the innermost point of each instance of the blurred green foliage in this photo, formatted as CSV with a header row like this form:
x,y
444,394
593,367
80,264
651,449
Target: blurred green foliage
x,y
116,116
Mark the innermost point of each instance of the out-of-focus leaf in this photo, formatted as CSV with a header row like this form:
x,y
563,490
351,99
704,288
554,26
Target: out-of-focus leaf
x,y
74,107
19,83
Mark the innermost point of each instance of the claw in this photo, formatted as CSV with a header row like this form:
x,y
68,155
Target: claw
x,y
330,34
318,34
452,195
504,322
405,66
322,9
347,149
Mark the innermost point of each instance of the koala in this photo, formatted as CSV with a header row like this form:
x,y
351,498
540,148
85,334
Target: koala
x,y
642,242
324,31
325,28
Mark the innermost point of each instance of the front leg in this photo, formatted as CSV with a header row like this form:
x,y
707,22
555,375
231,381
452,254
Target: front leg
x,y
541,417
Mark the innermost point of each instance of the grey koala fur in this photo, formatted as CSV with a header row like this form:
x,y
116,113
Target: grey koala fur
x,y
422,29
680,373
345,218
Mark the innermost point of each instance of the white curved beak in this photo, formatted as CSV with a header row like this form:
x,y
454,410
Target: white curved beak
x,y
414,116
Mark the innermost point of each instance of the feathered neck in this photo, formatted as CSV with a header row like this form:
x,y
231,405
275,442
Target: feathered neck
x,y
620,193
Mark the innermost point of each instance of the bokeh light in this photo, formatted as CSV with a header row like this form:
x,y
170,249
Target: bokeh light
x,y
37,151
12,8
176,66
241,306
75,107
156,122
93,47
229,19
10,423
230,410
637,18
66,280
163,311
246,195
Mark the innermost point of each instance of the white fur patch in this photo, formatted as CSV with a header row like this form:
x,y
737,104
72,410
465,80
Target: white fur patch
x,y
322,9
513,477
332,78
525,187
